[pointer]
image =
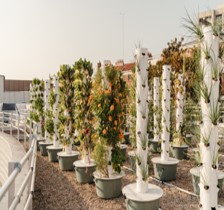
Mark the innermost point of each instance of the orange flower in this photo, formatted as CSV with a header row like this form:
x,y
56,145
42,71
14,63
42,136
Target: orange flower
x,y
110,118
112,107
99,105
115,128
104,131
120,94
109,84
117,100
115,122
107,91
121,136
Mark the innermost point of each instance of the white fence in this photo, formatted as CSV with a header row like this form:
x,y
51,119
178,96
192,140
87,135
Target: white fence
x,y
16,124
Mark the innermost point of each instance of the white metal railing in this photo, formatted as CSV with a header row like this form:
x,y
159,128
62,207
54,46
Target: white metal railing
x,y
19,123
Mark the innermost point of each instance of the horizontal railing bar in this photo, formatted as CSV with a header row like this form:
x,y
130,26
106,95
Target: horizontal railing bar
x,y
15,172
21,189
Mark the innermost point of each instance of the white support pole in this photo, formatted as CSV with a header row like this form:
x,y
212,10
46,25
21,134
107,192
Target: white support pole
x,y
156,107
209,131
179,102
165,136
142,118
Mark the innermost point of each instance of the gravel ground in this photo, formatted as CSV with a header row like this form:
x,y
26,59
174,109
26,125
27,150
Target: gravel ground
x,y
57,190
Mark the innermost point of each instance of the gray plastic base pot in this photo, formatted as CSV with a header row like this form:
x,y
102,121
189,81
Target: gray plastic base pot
x,y
108,187
84,175
43,148
132,160
142,201
155,146
165,171
38,141
66,162
137,205
52,154
179,152
196,180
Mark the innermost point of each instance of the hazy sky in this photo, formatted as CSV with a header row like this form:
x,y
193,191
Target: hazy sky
x,y
37,36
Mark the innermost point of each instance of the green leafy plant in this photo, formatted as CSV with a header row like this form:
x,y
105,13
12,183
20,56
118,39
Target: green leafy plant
x,y
37,103
66,126
100,156
83,111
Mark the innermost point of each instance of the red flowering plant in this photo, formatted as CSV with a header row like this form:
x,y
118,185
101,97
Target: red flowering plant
x,y
108,103
83,112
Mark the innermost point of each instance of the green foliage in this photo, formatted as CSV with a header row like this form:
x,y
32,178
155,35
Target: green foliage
x,y
66,104
83,112
37,103
108,105
49,126
117,158
132,109
100,156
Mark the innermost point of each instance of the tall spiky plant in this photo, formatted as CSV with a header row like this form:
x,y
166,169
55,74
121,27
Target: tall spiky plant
x,y
142,119
209,92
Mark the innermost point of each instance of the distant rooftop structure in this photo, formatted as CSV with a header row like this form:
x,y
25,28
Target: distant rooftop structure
x,y
214,16
126,69
14,91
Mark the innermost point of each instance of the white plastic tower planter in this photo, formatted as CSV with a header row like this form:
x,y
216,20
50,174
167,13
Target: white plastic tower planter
x,y
43,145
47,106
209,145
155,141
55,112
141,194
179,102
164,166
56,147
179,146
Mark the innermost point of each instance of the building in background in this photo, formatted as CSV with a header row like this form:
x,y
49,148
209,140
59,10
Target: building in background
x,y
213,16
126,69
14,91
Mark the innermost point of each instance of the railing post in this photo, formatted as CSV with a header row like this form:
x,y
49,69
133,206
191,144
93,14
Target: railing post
x,y
11,190
1,115
18,126
24,127
3,122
